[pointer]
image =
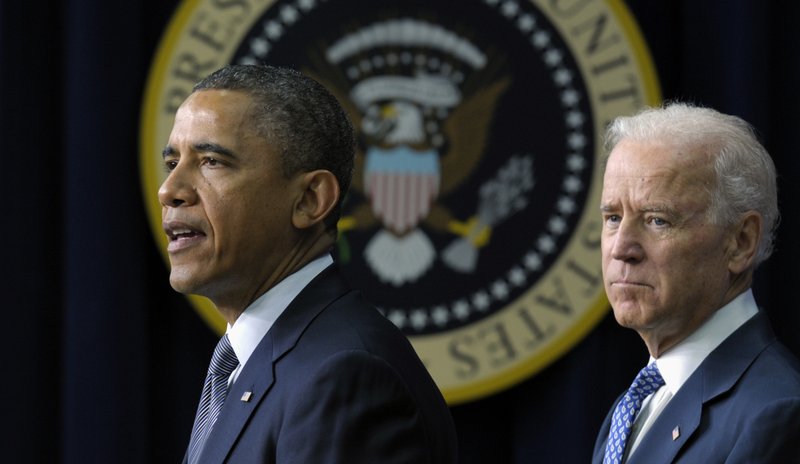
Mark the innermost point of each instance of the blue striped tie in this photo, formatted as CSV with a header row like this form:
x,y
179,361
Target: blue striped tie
x,y
645,384
223,362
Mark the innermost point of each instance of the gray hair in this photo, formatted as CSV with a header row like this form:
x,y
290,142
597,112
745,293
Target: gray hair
x,y
745,174
297,115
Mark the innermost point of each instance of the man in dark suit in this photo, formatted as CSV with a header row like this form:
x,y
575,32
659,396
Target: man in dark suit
x,y
259,159
689,208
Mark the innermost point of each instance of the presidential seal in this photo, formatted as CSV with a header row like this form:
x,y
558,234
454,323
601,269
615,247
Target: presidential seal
x,y
472,222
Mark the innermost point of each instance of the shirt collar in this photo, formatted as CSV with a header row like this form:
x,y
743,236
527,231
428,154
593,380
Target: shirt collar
x,y
678,363
256,320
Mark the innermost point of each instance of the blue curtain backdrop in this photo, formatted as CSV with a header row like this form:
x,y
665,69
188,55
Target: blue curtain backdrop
x,y
104,361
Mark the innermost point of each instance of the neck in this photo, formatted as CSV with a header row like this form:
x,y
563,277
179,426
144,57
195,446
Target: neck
x,y
305,250
660,341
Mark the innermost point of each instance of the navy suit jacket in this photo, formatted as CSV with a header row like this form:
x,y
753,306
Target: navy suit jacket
x,y
741,405
333,381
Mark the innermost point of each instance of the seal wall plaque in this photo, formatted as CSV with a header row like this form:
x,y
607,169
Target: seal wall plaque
x,y
473,220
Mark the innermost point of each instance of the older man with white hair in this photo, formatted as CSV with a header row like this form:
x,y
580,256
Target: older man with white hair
x,y
689,208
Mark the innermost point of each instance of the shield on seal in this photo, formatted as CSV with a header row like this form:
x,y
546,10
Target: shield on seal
x,y
401,185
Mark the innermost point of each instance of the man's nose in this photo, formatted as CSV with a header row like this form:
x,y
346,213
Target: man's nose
x,y
627,244
177,189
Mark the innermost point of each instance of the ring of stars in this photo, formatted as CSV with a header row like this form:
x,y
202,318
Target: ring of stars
x,y
531,262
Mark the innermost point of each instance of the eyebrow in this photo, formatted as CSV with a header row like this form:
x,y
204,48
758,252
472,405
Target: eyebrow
x,y
607,207
208,147
205,147
659,209
610,207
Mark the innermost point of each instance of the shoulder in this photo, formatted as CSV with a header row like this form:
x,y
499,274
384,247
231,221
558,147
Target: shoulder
x,y
752,362
756,418
351,322
775,370
767,389
348,332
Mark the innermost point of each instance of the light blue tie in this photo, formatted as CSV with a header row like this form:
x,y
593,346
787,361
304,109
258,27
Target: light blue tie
x,y
645,384
215,389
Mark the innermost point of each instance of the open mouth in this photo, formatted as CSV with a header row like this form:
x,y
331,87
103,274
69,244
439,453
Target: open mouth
x,y
181,236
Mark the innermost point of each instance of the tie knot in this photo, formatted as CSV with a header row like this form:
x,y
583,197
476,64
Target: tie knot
x,y
224,360
647,381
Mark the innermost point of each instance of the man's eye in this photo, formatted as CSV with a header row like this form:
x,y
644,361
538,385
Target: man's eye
x,y
657,221
170,165
212,162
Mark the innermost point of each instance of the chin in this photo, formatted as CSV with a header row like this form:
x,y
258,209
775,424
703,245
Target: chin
x,y
181,286
183,282
628,314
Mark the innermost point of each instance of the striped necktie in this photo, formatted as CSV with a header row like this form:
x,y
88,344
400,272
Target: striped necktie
x,y
645,384
215,389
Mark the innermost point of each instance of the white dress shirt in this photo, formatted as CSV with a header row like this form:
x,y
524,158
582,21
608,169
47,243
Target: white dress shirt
x,y
246,333
680,361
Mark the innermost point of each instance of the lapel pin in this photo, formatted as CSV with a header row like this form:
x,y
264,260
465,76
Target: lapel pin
x,y
246,397
676,432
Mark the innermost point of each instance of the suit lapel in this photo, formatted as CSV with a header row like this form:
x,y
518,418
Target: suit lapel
x,y
718,373
602,435
257,376
677,422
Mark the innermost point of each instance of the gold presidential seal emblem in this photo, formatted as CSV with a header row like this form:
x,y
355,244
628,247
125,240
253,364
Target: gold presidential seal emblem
x,y
472,222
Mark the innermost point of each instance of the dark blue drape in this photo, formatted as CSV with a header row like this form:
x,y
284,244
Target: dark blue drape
x,y
105,339
104,362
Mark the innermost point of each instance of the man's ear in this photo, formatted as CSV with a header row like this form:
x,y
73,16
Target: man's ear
x,y
746,235
320,193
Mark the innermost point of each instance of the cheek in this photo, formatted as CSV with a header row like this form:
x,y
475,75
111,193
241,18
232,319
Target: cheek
x,y
688,274
257,219
605,253
228,220
229,206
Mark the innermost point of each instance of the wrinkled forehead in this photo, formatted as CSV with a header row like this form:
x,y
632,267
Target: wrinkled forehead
x,y
658,167
660,156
